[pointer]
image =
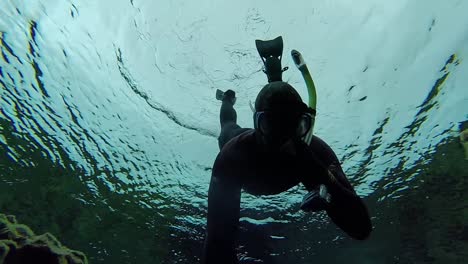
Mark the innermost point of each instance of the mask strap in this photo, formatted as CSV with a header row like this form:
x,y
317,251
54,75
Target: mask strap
x,y
256,117
251,106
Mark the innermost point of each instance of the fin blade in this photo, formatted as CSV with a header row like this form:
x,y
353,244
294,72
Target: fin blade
x,y
219,95
267,48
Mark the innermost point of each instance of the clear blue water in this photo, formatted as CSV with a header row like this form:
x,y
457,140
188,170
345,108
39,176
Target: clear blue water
x,y
109,124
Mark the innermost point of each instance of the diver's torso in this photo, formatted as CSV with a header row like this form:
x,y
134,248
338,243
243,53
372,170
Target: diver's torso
x,y
261,172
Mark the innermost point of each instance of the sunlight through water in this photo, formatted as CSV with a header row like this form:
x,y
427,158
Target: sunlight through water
x,y
109,123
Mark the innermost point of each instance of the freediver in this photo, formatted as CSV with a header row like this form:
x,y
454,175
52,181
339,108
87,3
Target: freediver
x,y
270,159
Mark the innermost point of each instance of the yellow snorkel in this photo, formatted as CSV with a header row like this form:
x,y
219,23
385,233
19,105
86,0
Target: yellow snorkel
x,y
301,65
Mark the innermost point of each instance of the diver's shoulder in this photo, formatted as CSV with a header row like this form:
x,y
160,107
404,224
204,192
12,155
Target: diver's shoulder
x,y
240,144
234,155
246,138
247,135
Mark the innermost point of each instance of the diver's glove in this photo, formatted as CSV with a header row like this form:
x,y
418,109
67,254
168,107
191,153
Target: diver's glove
x,y
229,96
316,200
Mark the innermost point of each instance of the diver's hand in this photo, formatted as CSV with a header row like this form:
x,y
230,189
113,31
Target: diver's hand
x,y
322,174
330,178
316,200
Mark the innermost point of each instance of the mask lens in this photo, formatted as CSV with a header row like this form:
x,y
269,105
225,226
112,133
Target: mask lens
x,y
276,125
262,123
303,127
269,124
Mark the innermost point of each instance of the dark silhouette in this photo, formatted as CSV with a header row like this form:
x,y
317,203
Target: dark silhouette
x,y
270,159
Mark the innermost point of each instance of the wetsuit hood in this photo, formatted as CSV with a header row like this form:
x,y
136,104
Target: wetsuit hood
x,y
279,97
278,109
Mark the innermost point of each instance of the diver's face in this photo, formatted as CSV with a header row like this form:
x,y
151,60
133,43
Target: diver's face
x,y
276,132
278,145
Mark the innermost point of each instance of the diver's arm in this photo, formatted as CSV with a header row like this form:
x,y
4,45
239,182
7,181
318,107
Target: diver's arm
x,y
223,216
346,209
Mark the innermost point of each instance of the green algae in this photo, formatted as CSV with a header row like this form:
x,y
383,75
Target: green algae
x,y
54,196
426,222
19,244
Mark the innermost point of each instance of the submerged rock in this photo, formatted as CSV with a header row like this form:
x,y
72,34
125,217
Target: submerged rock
x,y
19,244
464,141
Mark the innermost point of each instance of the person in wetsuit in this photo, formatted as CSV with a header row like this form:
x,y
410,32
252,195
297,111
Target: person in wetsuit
x,y
270,159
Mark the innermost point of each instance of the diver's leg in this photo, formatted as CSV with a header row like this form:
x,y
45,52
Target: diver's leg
x,y
228,120
227,114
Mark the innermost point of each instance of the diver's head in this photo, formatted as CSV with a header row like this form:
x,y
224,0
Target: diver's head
x,y
280,115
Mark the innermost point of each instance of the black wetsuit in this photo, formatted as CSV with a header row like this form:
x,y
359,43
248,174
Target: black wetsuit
x,y
243,164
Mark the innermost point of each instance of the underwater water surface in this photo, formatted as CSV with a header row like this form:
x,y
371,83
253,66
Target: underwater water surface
x,y
109,123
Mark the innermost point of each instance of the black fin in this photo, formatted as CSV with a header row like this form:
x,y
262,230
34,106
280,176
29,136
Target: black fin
x,y
267,48
219,95
271,52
